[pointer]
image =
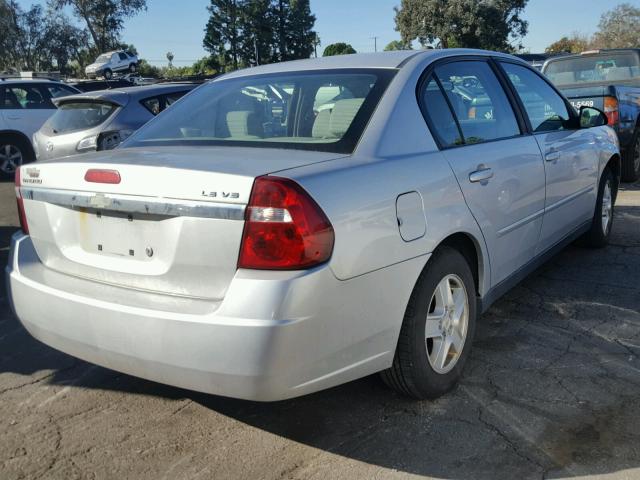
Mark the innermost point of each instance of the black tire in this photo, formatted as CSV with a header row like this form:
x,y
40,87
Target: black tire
x,y
108,74
599,233
631,159
133,68
412,373
10,146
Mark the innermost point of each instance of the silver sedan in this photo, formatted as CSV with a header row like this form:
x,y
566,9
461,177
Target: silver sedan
x,y
292,227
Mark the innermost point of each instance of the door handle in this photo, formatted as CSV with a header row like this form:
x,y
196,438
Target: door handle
x,y
552,156
481,175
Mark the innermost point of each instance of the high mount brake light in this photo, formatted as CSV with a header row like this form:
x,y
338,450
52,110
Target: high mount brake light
x,y
95,175
21,213
285,229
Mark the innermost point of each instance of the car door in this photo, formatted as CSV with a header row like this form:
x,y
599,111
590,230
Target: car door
x,y
123,61
571,161
25,107
498,167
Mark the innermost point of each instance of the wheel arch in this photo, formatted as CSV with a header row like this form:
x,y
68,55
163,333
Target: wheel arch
x,y
615,165
21,136
470,248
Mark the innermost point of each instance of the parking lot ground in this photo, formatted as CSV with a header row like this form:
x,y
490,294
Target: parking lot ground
x,y
552,390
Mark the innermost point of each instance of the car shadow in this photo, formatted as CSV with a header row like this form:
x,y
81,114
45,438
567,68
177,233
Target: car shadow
x,y
551,386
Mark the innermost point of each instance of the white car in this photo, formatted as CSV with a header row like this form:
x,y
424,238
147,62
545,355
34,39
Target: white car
x,y
112,62
249,242
25,105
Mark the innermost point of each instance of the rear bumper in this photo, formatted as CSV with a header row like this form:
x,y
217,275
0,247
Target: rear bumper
x,y
276,335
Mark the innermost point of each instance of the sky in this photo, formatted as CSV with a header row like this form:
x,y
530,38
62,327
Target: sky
x,y
178,26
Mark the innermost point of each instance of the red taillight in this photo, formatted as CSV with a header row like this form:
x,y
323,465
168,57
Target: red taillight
x,y
285,229
102,176
21,214
611,110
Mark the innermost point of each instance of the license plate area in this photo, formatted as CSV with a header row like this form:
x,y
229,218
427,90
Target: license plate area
x,y
118,234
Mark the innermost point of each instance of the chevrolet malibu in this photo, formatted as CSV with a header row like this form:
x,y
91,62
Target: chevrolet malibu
x,y
292,227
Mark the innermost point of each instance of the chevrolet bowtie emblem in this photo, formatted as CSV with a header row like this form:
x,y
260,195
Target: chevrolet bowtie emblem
x,y
33,172
99,201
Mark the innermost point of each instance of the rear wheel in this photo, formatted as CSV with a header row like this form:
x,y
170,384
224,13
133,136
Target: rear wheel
x,y
600,231
631,160
108,74
437,330
14,151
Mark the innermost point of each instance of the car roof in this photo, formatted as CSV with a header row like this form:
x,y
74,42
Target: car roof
x,y
120,96
384,60
29,79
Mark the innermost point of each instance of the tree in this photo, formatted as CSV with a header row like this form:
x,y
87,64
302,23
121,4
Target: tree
x,y
257,39
619,28
396,45
170,58
489,24
338,49
576,43
301,38
64,42
104,18
222,33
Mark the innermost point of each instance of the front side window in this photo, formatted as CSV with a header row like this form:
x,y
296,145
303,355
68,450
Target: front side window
x,y
74,116
25,97
546,110
323,110
478,101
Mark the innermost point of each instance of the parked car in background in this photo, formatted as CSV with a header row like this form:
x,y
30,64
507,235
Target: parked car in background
x,y
112,62
94,85
25,105
250,242
610,81
536,60
101,120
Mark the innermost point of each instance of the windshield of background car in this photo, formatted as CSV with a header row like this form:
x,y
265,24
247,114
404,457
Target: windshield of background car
x,y
316,110
612,67
103,59
75,116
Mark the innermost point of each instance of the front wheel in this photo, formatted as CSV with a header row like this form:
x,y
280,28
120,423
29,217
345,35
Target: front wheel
x,y
108,74
437,330
600,231
14,152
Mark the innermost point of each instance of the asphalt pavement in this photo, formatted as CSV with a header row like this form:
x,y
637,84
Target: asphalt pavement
x,y
552,390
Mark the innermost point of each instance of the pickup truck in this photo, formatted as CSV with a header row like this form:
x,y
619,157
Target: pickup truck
x,y
610,81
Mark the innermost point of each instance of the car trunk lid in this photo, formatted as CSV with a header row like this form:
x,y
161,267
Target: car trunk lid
x,y
172,223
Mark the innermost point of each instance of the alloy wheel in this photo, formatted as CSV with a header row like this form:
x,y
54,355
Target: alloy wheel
x,y
607,207
10,158
447,324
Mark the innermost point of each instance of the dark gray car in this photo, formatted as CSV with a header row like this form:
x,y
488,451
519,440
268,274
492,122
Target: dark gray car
x,y
101,120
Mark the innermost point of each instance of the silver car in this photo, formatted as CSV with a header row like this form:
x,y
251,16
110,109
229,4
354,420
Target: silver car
x,y
101,120
292,227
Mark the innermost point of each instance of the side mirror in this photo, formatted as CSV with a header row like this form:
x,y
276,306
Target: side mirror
x,y
592,117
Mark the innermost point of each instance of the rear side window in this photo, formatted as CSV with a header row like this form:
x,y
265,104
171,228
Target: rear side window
x,y
546,110
74,116
152,104
439,116
478,101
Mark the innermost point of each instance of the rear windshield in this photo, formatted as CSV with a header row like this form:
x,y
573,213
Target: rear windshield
x,y
316,110
75,116
614,67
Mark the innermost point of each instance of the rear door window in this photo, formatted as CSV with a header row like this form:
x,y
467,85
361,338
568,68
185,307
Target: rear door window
x,y
477,99
122,56
439,116
547,111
